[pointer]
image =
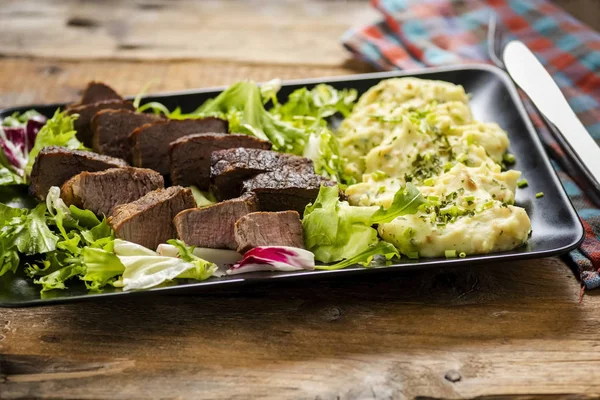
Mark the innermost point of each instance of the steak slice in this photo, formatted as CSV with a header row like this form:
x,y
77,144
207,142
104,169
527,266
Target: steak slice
x,y
111,130
286,189
55,165
231,167
269,229
101,191
213,226
190,155
151,141
86,113
98,91
148,221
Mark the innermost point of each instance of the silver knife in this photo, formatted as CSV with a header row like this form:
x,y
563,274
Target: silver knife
x,y
531,76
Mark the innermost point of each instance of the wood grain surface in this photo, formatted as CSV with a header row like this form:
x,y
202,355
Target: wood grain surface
x,y
513,330
249,31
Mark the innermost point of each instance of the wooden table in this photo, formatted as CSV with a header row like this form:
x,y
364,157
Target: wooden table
x,y
496,331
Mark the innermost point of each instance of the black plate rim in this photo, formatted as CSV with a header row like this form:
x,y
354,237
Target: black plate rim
x,y
406,265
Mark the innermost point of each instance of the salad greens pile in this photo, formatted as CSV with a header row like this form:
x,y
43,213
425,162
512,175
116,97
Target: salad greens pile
x,y
298,126
22,136
338,232
56,243
69,242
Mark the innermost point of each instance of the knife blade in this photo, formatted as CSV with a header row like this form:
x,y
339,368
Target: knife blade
x,y
531,76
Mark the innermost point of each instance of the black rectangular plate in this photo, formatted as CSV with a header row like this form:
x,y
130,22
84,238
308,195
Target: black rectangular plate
x,y
556,226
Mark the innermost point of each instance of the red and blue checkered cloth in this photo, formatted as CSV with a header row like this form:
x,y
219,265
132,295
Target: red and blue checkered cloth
x,y
423,33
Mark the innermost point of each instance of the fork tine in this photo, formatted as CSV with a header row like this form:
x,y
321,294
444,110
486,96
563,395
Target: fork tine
x,y
494,41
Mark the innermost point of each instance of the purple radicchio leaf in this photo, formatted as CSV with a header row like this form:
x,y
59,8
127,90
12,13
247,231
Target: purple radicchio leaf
x,y
32,127
274,258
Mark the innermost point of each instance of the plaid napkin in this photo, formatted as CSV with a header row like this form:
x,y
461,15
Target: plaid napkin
x,y
423,33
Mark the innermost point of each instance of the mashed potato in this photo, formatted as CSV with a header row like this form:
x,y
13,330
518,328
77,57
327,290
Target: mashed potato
x,y
421,131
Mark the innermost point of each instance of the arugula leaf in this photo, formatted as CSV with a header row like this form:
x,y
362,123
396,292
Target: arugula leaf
x,y
382,248
406,201
58,131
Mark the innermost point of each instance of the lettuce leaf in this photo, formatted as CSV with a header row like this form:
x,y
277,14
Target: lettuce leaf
x,y
297,126
102,267
242,105
79,237
323,149
145,268
33,236
202,269
58,131
57,279
335,230
311,107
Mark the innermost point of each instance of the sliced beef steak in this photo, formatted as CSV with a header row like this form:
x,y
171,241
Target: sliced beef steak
x,y
151,141
269,229
98,91
231,167
190,155
111,130
86,112
149,220
53,166
101,191
213,226
286,189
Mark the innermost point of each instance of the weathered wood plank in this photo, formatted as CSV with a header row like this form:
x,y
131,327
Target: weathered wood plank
x,y
286,32
502,329
30,81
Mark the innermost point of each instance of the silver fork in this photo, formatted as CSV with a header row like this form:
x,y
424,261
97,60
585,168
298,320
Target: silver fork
x,y
571,163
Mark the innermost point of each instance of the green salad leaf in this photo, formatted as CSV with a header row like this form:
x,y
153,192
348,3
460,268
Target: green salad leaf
x,y
102,267
306,108
33,236
298,126
323,149
58,236
144,268
18,119
242,105
406,201
381,248
58,131
8,176
23,231
202,269
335,230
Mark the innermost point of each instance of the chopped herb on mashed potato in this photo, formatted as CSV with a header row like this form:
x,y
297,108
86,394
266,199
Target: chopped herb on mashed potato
x,y
423,132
